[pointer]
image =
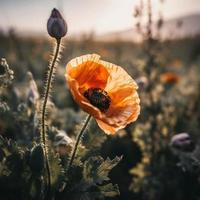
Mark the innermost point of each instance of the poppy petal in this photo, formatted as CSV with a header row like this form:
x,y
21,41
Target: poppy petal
x,y
87,72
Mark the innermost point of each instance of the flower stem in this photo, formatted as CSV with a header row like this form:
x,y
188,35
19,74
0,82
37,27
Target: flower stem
x,y
78,140
44,107
47,91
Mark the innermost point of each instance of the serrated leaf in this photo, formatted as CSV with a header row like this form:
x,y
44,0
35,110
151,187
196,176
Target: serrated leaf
x,y
106,166
96,170
90,169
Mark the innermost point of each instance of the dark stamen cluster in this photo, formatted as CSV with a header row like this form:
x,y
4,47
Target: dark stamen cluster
x,y
98,98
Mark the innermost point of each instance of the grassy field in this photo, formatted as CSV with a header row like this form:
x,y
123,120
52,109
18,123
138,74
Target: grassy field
x,y
169,88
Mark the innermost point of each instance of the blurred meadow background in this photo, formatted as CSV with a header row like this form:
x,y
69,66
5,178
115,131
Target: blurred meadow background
x,y
157,42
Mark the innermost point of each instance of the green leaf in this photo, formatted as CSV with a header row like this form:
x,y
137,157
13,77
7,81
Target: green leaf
x,y
96,170
106,166
57,172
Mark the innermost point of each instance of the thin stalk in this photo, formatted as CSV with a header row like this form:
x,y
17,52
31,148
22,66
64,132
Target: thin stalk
x,y
78,140
44,106
149,23
47,91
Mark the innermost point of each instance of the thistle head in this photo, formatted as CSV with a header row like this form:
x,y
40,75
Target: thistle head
x,y
56,25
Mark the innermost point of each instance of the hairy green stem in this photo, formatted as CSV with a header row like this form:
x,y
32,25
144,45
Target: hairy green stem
x,y
44,106
47,91
78,140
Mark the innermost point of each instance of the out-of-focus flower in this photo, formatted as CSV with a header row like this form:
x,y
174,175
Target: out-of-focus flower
x,y
160,22
137,12
183,142
179,24
177,64
6,74
56,25
169,77
63,143
104,90
142,82
32,93
4,107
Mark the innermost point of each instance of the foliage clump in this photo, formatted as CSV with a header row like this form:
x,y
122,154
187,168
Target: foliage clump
x,y
22,158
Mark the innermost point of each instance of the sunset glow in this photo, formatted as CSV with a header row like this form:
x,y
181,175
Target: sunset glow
x,y
86,15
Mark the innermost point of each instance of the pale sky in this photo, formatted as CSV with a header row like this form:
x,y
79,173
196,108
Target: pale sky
x,y
100,16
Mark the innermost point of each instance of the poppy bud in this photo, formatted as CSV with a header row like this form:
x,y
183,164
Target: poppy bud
x,y
56,25
183,142
37,159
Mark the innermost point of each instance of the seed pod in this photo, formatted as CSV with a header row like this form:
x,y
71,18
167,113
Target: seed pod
x,y
56,25
37,159
182,142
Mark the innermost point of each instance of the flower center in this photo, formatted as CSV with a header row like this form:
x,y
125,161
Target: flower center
x,y
98,98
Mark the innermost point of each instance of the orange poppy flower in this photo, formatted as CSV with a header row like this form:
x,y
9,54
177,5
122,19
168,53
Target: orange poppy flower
x,y
103,90
169,77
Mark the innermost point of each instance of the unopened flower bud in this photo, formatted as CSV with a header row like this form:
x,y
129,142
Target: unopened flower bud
x,y
56,25
37,159
183,142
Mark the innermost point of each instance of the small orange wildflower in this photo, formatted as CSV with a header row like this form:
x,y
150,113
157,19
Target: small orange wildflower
x,y
169,77
103,90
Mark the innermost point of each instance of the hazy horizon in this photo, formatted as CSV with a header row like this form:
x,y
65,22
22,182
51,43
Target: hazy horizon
x,y
85,15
